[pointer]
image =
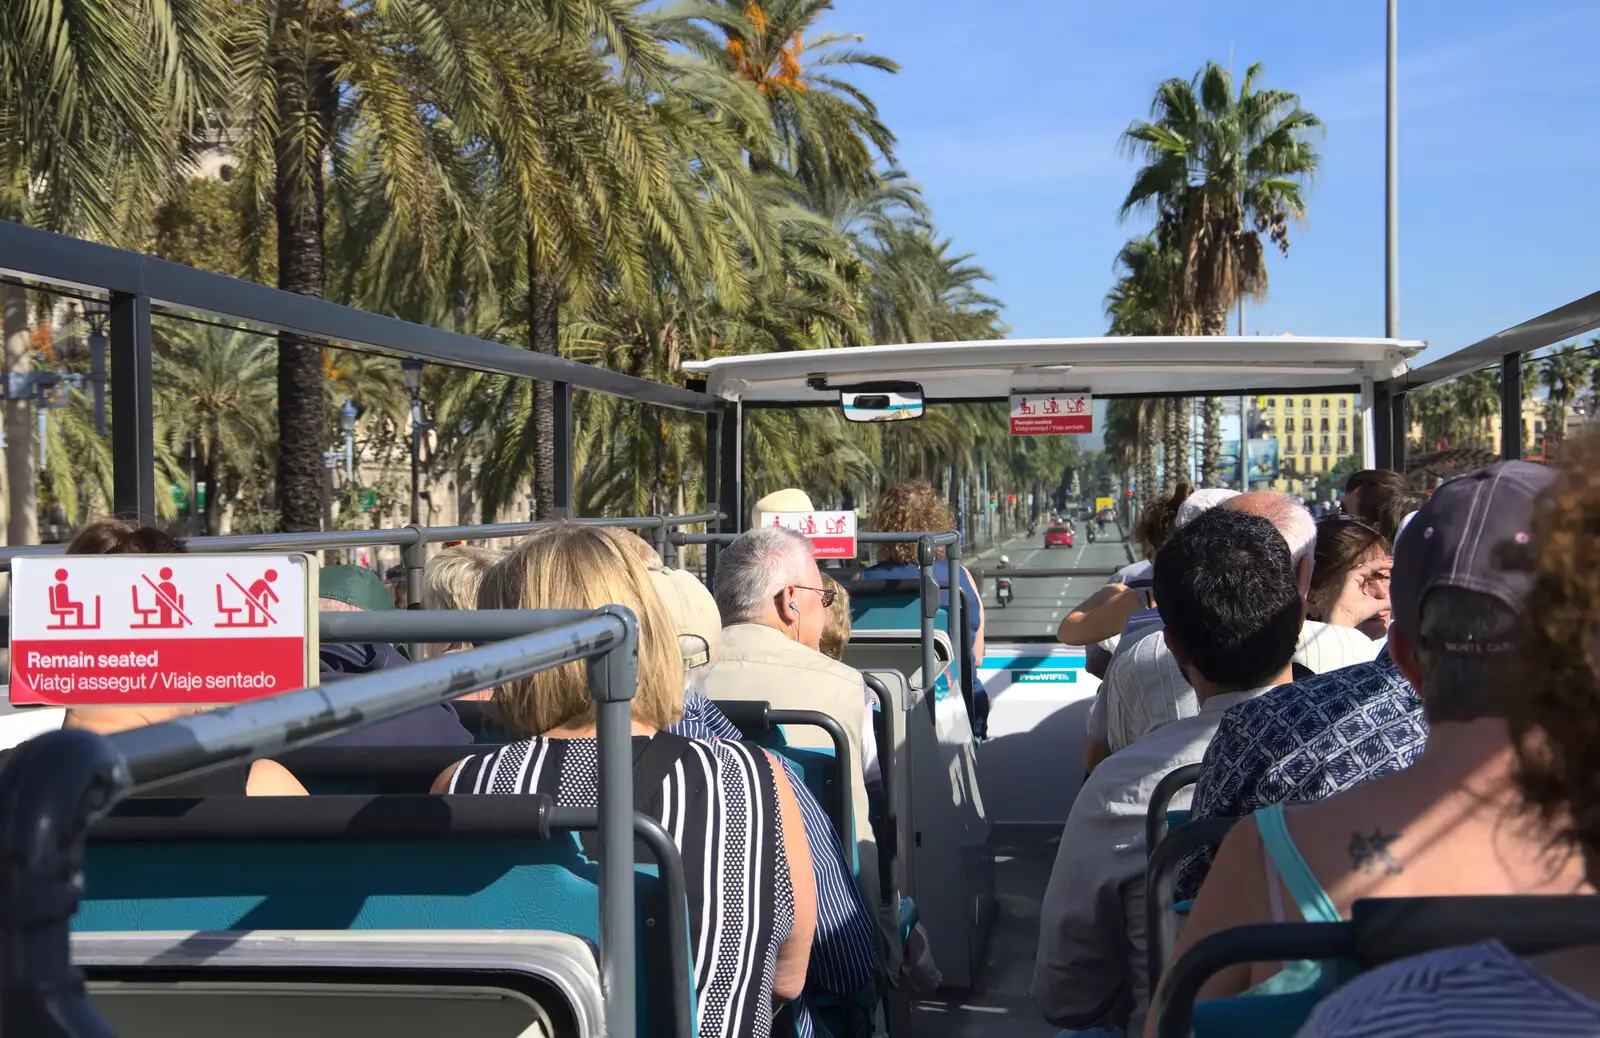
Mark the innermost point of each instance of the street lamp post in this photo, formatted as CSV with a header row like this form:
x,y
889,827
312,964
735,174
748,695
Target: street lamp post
x,y
347,421
412,367
1391,208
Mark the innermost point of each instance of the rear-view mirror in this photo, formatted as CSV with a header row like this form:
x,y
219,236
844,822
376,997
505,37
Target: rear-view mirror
x,y
887,403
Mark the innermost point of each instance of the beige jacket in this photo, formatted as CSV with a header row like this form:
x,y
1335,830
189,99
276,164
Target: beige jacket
x,y
758,663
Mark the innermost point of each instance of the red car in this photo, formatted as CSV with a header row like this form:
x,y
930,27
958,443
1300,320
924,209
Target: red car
x,y
1058,536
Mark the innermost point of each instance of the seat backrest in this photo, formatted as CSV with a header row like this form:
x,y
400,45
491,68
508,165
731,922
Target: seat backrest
x,y
1380,930
1159,816
1160,879
341,863
505,984
826,772
329,770
881,606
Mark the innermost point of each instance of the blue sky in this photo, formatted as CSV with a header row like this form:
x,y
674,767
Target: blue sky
x,y
1008,113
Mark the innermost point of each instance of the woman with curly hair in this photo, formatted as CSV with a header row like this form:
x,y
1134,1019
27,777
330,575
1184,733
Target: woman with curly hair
x,y
917,508
1552,703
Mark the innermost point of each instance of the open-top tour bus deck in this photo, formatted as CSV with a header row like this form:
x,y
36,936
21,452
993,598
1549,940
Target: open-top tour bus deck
x,y
485,914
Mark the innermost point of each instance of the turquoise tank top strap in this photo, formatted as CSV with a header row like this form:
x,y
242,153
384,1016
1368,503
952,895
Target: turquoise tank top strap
x,y
1313,901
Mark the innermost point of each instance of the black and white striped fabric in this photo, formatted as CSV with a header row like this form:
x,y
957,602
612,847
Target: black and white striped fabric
x,y
720,804
1477,991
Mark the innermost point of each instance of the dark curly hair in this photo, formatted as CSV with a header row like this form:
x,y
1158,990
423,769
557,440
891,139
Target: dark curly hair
x,y
909,508
1555,709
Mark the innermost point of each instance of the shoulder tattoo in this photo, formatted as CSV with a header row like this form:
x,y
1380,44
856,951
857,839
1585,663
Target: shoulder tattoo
x,y
1371,854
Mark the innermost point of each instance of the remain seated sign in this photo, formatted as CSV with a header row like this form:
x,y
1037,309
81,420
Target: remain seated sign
x,y
133,630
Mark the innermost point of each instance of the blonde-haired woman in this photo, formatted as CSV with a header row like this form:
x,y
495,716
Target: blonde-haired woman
x,y
731,811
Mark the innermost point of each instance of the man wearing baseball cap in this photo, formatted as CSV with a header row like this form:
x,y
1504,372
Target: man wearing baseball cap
x,y
1450,824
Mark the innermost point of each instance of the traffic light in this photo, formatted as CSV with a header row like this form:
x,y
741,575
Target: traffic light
x,y
1011,499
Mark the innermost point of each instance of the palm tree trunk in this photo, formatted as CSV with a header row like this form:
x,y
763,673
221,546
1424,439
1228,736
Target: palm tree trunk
x,y
1175,441
302,404
544,336
23,526
1211,442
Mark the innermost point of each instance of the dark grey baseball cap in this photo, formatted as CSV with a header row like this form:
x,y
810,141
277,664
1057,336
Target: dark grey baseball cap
x,y
1462,538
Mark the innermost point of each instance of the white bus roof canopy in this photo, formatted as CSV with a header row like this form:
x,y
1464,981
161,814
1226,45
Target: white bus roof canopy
x,y
1119,365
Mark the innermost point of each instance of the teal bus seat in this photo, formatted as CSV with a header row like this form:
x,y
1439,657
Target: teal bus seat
x,y
825,771
382,863
1177,816
1379,931
880,605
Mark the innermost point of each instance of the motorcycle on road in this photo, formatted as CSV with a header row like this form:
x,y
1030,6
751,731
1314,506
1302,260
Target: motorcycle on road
x,y
1002,584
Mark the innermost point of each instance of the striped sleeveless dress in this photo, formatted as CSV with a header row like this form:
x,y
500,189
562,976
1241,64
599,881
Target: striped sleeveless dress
x,y
720,805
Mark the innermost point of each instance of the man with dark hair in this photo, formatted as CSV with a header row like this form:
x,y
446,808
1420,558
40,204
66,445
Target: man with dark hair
x,y
1226,589
1451,823
1380,498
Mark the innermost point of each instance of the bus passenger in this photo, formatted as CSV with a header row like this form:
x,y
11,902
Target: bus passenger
x,y
356,589
258,778
1553,705
774,607
1320,735
1228,597
1144,687
1379,498
1348,549
1449,824
789,499
916,508
450,583
843,955
731,812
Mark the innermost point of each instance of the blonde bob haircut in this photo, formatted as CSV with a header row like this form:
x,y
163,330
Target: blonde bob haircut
x,y
583,567
452,577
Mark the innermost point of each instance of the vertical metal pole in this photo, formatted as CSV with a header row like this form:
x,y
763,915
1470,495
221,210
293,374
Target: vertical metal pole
x,y
416,462
958,628
350,458
1244,425
1383,427
714,480
414,557
733,466
44,438
562,450
1391,207
133,447
1511,406
613,679
929,606
1399,429
1369,446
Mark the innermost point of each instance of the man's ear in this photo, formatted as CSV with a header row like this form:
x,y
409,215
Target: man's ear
x,y
1182,657
1405,660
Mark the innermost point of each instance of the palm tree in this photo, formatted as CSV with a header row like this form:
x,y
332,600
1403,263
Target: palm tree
x,y
220,394
1220,170
96,103
826,131
1564,372
401,95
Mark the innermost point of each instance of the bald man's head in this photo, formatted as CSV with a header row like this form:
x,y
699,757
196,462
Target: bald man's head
x,y
1291,519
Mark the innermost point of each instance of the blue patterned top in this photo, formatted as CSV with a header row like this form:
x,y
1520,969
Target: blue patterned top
x,y
1306,741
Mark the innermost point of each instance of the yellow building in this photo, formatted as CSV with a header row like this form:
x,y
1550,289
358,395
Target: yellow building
x,y
1312,432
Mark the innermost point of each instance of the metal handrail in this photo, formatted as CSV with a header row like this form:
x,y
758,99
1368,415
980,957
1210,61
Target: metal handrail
x,y
402,537
56,785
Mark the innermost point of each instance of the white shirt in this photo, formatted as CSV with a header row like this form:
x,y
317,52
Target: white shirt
x,y
1091,970
1144,689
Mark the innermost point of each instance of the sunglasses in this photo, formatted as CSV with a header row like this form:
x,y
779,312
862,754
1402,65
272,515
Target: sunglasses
x,y
828,594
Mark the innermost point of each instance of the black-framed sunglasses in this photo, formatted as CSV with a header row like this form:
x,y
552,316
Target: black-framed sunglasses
x,y
828,594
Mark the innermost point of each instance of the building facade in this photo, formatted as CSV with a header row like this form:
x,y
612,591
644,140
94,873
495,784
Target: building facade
x,y
1311,431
